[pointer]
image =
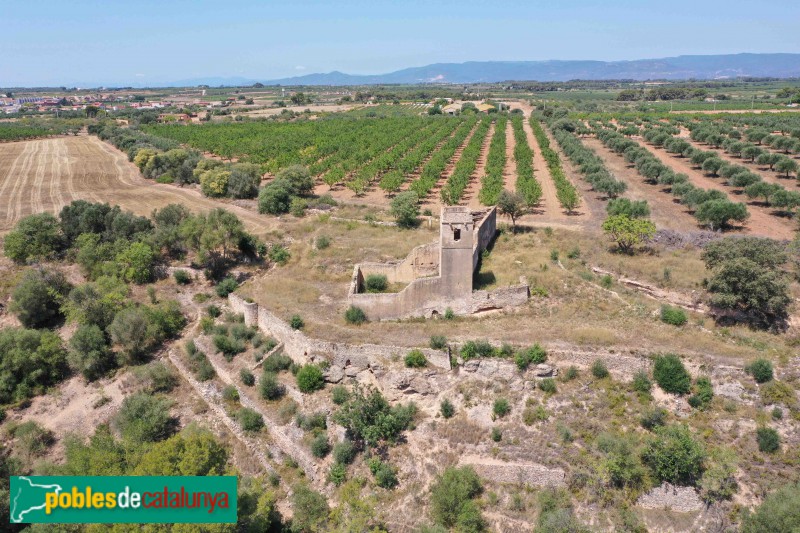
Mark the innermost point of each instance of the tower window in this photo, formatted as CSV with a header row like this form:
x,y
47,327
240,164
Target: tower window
x,y
457,234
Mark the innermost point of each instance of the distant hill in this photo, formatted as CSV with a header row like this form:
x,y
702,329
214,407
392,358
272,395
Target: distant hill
x,y
669,68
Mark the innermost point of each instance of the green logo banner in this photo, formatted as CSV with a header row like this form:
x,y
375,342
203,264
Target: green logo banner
x,y
123,499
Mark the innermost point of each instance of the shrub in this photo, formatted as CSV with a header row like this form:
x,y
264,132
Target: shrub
x,y
533,415
182,277
249,419
367,417
438,342
777,413
496,435
340,394
653,418
501,407
344,452
320,447
703,394
228,346
674,456
449,314
230,393
673,315
269,386
89,353
36,298
278,254
296,322
375,283
570,373
405,209
472,349
204,369
548,385
277,362
534,355
213,311
761,370
641,382
415,359
778,512
599,369
309,378
355,315
337,474
768,440
447,409
34,237
247,377
671,375
322,242
310,509
312,422
144,418
452,492
777,392
157,377
385,474
226,286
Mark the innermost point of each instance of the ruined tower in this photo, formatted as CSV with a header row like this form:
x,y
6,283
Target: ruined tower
x,y
456,250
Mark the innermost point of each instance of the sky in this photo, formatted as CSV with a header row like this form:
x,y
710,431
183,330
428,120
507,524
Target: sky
x,y
141,42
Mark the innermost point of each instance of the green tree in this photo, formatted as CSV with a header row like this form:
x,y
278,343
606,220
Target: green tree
x,y
89,353
511,205
671,375
674,456
37,298
214,182
29,361
454,489
367,417
244,180
298,177
137,262
310,510
275,198
193,452
778,512
405,209
761,370
628,232
631,209
309,378
719,479
34,237
144,418
130,330
719,213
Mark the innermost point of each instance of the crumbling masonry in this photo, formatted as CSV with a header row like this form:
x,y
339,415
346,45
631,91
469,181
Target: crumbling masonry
x,y
439,275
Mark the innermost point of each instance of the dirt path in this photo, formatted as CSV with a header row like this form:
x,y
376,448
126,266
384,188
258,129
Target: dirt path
x,y
510,170
474,187
664,211
549,206
761,222
44,175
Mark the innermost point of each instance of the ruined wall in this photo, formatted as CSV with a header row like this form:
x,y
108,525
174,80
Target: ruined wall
x,y
303,348
485,230
430,292
512,296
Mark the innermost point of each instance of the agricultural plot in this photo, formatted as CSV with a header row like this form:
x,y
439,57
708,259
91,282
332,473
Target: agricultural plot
x,y
45,175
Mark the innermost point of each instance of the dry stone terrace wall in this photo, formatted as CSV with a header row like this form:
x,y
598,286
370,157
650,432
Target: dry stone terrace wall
x,y
346,358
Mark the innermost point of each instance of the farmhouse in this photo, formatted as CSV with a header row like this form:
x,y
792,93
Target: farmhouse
x,y
439,275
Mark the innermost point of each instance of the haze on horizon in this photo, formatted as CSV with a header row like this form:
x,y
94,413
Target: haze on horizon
x,y
143,42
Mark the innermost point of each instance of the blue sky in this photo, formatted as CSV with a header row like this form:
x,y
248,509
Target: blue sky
x,y
60,42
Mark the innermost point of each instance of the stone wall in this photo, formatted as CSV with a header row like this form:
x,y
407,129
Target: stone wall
x,y
672,497
532,475
423,261
512,296
348,358
485,230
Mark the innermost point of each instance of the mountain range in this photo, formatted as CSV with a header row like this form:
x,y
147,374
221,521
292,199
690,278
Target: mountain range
x,y
669,68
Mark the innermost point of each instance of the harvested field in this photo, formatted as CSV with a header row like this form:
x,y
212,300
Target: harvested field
x,y
45,175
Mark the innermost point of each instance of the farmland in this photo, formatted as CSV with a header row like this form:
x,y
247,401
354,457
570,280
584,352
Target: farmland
x,y
619,228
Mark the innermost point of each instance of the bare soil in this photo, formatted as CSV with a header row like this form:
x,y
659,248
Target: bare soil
x,y
761,221
664,210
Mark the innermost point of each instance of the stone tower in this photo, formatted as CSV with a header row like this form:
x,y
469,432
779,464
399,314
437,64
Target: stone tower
x,y
455,260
